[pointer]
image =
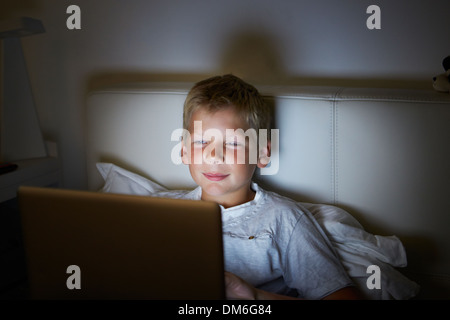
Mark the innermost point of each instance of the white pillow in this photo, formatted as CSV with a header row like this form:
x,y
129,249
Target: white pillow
x,y
119,180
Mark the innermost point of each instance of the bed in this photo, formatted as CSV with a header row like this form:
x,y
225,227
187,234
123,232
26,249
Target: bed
x,y
372,165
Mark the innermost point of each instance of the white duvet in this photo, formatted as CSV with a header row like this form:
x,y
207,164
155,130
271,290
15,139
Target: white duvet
x,y
359,249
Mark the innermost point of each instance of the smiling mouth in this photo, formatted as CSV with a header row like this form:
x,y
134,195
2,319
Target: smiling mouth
x,y
215,176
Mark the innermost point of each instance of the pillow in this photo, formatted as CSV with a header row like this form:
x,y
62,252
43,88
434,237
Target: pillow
x,y
119,180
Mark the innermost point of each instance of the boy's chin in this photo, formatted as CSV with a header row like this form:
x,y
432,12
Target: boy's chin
x,y
214,190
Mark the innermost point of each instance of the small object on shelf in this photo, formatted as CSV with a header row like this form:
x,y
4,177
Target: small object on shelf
x,y
441,82
6,167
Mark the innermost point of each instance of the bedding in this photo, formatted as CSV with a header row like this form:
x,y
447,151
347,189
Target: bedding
x,y
356,248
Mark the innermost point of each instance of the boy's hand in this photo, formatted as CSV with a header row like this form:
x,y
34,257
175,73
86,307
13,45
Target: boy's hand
x,y
237,288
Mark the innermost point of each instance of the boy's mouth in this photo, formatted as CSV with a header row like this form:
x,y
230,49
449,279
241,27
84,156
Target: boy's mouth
x,y
215,176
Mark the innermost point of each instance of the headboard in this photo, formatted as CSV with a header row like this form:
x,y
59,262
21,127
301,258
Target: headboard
x,y
381,154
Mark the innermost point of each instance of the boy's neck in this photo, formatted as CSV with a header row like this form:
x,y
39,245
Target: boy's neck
x,y
232,199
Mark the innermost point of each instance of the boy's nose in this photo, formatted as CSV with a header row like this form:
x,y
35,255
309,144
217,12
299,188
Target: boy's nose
x,y
214,154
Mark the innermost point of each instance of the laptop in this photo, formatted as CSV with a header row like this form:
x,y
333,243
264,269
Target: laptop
x,y
91,245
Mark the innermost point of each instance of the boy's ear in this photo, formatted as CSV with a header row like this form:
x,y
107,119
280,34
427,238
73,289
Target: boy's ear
x,y
264,156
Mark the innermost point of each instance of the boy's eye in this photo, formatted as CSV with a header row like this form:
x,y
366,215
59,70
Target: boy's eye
x,y
233,144
199,142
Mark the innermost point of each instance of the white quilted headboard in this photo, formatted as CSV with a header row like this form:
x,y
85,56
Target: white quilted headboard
x,y
381,154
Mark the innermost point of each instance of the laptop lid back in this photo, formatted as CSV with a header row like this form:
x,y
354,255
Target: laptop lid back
x,y
89,245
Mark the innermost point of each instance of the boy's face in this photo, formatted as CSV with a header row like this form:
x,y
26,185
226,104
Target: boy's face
x,y
216,160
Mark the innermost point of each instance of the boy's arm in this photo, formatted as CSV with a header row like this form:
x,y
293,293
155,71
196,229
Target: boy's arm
x,y
237,288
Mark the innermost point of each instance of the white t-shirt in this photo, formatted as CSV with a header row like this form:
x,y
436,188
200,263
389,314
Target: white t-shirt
x,y
275,244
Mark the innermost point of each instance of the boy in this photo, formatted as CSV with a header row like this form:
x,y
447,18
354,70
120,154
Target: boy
x,y
273,247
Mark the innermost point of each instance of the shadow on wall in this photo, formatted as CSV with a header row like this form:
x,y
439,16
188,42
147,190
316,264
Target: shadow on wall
x,y
255,57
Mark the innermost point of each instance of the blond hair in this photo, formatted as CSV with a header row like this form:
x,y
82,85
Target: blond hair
x,y
224,91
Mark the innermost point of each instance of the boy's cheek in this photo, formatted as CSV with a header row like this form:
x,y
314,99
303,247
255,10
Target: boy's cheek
x,y
185,155
191,155
196,155
230,157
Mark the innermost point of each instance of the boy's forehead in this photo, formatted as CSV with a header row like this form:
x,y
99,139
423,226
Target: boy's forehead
x,y
227,117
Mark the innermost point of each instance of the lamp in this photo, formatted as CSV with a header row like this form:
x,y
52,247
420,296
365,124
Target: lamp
x,y
20,132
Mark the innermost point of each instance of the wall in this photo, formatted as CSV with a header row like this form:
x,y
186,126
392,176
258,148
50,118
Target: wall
x,y
265,41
